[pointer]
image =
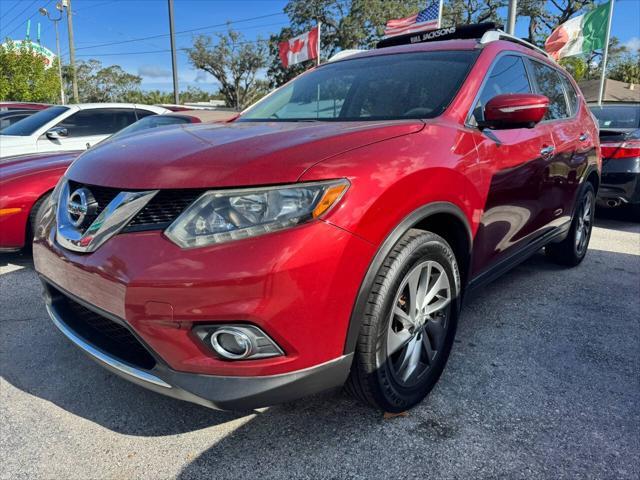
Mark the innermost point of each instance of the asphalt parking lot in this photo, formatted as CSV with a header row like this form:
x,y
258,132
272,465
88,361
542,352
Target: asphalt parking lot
x,y
543,382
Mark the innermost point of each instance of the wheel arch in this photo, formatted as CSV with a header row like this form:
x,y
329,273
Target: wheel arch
x,y
28,233
442,218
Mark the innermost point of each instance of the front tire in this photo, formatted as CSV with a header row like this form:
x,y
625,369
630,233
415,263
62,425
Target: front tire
x,y
572,250
409,326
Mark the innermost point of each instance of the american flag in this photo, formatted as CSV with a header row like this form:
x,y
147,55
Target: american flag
x,y
426,19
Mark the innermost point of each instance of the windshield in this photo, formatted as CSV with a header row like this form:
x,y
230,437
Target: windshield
x,y
151,121
408,85
617,116
29,125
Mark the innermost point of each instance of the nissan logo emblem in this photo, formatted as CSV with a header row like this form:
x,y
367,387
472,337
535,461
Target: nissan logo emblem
x,y
80,206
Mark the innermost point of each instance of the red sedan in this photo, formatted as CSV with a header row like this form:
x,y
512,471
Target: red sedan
x,y
26,181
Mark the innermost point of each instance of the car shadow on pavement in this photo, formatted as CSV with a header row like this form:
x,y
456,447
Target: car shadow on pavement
x,y
467,409
532,368
21,258
621,219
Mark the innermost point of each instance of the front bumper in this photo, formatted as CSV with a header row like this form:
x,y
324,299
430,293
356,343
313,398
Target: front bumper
x,y
620,182
297,285
220,392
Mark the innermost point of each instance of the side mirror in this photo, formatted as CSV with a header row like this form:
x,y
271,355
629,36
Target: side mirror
x,y
57,133
514,110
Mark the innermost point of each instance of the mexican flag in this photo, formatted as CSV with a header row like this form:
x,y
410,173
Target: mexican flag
x,y
581,34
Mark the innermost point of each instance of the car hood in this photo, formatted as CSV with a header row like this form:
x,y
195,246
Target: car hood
x,y
236,154
20,165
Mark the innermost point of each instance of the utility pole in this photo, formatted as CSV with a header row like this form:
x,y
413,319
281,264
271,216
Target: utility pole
x,y
605,53
511,17
46,13
72,51
176,96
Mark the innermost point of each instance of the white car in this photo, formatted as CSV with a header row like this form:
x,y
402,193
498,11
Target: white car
x,y
70,127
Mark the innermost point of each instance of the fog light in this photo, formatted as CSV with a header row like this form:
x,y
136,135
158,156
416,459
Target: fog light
x,y
231,343
238,342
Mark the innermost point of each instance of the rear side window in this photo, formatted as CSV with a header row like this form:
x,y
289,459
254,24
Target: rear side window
x,y
572,96
550,85
104,121
508,75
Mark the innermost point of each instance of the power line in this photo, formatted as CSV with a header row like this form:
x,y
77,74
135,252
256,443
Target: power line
x,y
66,52
184,49
180,32
19,15
12,8
29,18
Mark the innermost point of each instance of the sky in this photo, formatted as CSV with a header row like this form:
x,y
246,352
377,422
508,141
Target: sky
x,y
98,22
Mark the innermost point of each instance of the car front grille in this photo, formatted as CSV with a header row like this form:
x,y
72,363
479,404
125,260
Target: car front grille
x,y
102,332
163,209
158,214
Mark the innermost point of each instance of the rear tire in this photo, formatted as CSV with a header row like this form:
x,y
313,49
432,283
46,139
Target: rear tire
x,y
409,324
572,250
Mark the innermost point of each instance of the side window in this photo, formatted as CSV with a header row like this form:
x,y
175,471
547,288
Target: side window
x,y
103,121
572,96
508,75
550,85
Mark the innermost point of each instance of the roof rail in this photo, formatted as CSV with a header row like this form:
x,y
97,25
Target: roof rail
x,y
493,35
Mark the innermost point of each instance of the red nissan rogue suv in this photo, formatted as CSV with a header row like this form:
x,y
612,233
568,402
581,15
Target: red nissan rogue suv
x,y
329,234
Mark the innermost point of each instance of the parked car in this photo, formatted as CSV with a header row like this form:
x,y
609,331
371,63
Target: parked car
x,y
9,117
26,181
296,249
70,127
620,143
7,106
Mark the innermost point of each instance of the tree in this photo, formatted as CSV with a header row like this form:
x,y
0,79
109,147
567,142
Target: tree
x,y
544,17
234,63
576,66
348,24
627,69
461,12
102,84
23,76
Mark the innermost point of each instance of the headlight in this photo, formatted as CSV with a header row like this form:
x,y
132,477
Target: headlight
x,y
224,215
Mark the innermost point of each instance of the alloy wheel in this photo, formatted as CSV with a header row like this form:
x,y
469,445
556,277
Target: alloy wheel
x,y
585,223
418,323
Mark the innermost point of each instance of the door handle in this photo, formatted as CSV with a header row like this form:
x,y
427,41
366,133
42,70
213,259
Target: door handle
x,y
583,137
547,151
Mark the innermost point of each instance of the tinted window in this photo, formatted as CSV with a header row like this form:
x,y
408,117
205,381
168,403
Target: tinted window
x,y
140,113
8,120
104,121
152,121
617,116
411,85
30,124
550,85
572,96
508,75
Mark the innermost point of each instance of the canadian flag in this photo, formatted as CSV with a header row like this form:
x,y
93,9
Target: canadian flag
x,y
300,48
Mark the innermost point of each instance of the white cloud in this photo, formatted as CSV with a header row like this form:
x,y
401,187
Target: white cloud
x,y
154,71
633,44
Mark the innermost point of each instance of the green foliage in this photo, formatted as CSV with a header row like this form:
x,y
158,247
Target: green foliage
x,y
101,84
576,66
461,12
23,76
234,63
152,97
627,69
345,24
